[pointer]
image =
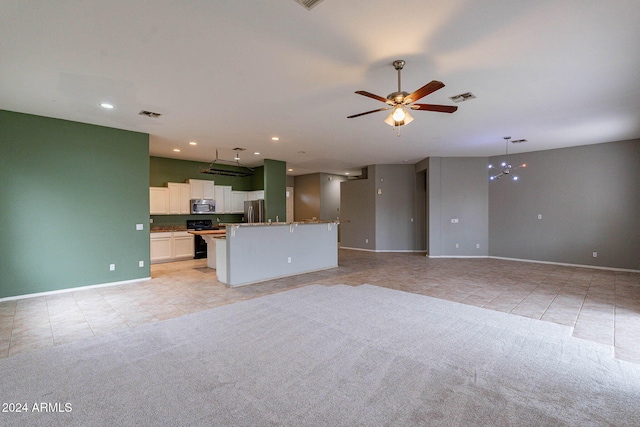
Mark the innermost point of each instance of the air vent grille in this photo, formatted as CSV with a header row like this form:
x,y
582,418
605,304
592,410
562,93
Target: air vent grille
x,y
308,4
149,114
518,141
462,97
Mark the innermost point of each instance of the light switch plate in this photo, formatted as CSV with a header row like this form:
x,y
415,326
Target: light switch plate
x,y
139,227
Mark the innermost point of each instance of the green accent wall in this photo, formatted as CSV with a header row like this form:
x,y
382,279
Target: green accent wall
x,y
275,189
71,196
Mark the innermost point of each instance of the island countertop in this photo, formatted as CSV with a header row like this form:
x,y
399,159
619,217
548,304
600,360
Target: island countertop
x,y
262,224
206,232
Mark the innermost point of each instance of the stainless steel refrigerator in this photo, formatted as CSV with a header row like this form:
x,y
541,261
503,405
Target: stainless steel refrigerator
x,y
254,211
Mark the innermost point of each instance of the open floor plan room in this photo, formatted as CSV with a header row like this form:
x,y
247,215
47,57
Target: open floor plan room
x,y
600,305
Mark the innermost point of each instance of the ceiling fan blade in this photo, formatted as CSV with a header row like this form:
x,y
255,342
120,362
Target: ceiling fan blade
x,y
374,96
435,107
425,90
368,112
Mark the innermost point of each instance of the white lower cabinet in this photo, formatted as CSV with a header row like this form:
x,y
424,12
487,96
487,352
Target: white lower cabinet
x,y
161,248
170,246
182,245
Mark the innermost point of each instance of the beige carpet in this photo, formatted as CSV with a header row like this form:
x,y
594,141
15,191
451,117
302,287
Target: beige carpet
x,y
328,356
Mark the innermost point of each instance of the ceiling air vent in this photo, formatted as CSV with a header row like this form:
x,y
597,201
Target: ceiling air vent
x,y
308,4
149,114
462,97
518,141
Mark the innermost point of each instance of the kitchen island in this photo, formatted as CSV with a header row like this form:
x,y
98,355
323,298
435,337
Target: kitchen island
x,y
209,237
255,252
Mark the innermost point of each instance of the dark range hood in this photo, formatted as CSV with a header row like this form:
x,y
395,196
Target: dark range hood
x,y
224,167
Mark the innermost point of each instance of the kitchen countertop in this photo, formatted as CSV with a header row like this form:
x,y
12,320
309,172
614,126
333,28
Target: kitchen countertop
x,y
262,224
165,228
206,232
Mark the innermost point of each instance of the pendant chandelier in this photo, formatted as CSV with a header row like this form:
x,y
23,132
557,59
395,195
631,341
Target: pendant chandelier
x,y
506,169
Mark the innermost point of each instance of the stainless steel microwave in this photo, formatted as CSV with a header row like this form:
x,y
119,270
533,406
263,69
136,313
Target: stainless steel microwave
x,y
203,206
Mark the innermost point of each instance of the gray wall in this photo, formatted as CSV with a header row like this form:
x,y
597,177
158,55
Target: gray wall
x,y
395,207
384,219
589,201
358,205
330,196
457,189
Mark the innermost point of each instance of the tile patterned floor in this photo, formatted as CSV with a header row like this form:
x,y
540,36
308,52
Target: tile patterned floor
x,y
600,305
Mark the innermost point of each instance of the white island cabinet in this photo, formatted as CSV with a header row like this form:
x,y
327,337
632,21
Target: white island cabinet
x,y
275,250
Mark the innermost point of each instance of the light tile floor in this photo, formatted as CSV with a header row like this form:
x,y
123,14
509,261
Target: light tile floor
x,y
600,305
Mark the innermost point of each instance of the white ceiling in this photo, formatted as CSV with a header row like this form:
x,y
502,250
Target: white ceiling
x,y
231,74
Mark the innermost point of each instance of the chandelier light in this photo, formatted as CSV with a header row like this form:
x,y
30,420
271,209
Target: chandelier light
x,y
506,169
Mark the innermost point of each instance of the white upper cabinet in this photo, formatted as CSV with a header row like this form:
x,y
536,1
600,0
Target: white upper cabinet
x,y
158,200
237,201
201,189
255,195
179,195
223,198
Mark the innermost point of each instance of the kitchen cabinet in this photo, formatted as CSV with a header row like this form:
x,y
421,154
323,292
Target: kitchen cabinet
x,y
161,247
202,189
223,198
255,195
182,245
170,246
158,200
179,195
237,201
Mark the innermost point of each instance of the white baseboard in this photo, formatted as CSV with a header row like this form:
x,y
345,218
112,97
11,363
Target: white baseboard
x,y
597,267
382,250
535,261
79,288
458,256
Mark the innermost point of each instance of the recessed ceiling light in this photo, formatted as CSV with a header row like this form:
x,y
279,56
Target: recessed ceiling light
x,y
290,170
193,143
346,173
275,138
257,153
106,105
177,150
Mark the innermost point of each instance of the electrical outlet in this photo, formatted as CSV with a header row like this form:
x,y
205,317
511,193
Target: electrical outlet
x,y
150,220
112,267
366,240
477,245
539,216
140,263
457,245
289,260
595,254
454,220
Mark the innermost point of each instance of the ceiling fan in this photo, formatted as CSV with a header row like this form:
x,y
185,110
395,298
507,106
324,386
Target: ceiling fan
x,y
401,101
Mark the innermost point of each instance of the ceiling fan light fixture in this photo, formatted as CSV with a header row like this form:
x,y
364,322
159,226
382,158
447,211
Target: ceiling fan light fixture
x,y
390,120
398,113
